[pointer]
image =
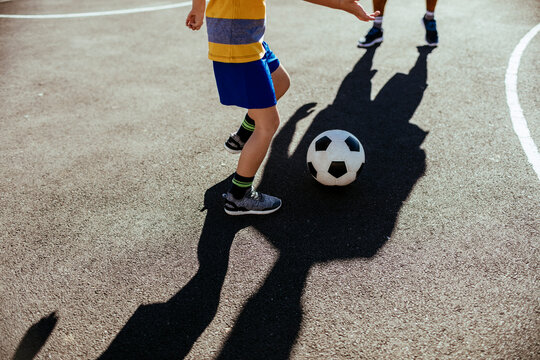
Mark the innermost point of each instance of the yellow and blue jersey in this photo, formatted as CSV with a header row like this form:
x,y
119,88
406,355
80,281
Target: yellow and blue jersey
x,y
235,30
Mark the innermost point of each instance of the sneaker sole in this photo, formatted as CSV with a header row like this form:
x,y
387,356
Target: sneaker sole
x,y
376,41
252,212
232,151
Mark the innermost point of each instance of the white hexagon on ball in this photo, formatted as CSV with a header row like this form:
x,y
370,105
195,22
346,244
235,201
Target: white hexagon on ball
x,y
335,158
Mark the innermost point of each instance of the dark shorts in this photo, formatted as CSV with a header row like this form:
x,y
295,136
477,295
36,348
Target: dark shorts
x,y
247,85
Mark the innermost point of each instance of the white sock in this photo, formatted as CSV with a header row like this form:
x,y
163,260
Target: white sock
x,y
378,22
429,15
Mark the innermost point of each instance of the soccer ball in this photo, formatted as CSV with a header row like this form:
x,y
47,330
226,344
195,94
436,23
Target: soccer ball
x,y
335,157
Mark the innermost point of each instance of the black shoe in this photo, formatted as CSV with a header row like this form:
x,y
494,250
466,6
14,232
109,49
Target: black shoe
x,y
234,144
374,36
432,37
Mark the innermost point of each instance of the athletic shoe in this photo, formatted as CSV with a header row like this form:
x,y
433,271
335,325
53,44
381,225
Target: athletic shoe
x,y
233,144
253,202
432,38
374,36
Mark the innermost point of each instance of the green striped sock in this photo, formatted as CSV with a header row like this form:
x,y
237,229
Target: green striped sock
x,y
246,128
240,185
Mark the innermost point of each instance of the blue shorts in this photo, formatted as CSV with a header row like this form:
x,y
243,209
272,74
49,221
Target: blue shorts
x,y
248,85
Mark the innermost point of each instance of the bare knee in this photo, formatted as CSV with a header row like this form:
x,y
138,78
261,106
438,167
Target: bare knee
x,y
269,126
266,120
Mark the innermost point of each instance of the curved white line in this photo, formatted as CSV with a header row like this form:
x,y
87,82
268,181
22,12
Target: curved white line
x,y
99,13
518,119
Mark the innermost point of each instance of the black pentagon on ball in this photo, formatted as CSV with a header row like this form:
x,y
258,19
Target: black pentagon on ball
x,y
322,144
312,169
352,143
337,169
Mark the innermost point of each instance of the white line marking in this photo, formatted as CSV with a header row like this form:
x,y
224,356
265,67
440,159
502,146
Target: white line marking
x,y
516,113
99,13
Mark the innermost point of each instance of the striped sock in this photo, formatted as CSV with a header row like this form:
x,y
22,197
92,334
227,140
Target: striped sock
x,y
378,22
246,129
240,185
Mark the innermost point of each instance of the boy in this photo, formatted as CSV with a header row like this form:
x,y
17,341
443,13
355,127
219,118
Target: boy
x,y
375,34
249,75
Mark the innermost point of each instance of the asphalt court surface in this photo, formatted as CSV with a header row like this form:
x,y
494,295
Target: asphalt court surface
x,y
113,243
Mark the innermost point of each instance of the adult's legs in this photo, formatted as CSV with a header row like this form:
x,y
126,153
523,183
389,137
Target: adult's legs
x,y
375,34
430,5
379,5
432,36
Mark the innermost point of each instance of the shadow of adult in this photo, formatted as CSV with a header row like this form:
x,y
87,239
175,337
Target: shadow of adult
x,y
319,224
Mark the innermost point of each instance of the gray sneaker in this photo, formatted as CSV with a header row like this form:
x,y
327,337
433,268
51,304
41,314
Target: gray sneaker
x,y
233,144
253,202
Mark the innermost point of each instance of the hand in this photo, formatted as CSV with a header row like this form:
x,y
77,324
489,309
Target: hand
x,y
195,19
353,7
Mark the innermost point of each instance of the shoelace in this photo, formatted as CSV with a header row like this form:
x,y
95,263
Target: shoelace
x,y
255,195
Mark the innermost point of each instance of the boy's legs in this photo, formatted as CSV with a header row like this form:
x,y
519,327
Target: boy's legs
x,y
235,143
375,34
257,146
267,123
241,198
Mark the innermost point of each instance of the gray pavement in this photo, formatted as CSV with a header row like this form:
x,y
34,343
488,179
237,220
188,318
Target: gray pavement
x,y
113,243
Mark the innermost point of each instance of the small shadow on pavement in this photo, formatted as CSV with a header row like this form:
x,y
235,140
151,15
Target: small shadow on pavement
x,y
36,337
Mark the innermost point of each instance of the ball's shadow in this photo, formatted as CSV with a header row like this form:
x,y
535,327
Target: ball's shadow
x,y
317,223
